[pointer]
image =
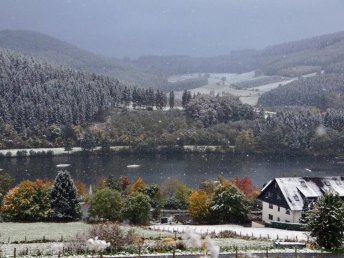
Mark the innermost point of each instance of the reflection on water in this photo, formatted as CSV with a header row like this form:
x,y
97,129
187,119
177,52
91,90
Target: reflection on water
x,y
190,168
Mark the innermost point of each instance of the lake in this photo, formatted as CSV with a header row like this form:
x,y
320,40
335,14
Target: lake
x,y
189,168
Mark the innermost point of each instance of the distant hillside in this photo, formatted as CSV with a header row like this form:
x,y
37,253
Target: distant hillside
x,y
295,58
56,51
35,95
323,91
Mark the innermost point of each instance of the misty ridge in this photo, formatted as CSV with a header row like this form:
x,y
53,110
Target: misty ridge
x,y
288,59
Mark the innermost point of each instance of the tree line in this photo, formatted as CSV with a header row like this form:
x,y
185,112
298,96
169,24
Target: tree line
x,y
116,199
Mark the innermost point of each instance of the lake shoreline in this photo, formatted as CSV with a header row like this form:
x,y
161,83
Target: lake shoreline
x,y
158,150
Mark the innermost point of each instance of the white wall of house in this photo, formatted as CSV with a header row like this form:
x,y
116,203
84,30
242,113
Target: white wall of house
x,y
279,214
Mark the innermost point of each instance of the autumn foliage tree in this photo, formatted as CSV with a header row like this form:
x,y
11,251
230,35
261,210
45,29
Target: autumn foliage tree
x,y
223,200
246,187
138,186
28,201
199,206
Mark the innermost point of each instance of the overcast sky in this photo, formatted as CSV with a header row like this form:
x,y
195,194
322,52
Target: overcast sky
x,y
168,27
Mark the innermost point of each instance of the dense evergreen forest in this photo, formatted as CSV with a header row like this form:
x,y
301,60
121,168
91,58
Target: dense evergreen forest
x,y
38,100
322,91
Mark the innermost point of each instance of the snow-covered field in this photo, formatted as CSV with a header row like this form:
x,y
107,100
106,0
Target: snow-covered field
x,y
215,85
268,233
53,231
36,231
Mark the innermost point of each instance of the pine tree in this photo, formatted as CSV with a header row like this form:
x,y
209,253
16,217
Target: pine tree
x,y
171,100
88,143
305,210
64,202
69,145
184,98
105,146
326,221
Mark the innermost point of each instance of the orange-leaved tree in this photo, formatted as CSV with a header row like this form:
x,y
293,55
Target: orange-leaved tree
x,y
246,187
28,201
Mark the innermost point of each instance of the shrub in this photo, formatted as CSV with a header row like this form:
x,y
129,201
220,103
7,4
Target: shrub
x,y
287,226
136,209
22,153
326,221
229,205
173,204
49,153
110,232
106,204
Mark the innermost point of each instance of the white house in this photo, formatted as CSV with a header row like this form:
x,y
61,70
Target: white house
x,y
284,198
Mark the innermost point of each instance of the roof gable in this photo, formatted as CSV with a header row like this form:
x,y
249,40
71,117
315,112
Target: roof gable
x,y
296,189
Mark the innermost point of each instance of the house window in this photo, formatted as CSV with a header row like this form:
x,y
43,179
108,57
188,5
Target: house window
x,y
287,221
278,219
278,196
271,217
278,208
287,211
271,206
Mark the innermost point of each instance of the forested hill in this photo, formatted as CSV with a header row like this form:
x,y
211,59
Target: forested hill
x,y
295,58
56,51
322,91
34,94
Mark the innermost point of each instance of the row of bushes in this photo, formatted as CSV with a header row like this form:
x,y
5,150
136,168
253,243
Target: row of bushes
x,y
287,226
25,153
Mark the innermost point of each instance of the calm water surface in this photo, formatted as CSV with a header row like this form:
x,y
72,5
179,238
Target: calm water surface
x,y
190,168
